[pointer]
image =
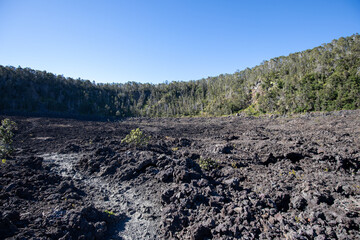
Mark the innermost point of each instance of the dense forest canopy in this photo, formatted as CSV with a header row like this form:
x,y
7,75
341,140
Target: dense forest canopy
x,y
324,78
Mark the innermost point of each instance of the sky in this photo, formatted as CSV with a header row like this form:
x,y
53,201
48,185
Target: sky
x,y
164,40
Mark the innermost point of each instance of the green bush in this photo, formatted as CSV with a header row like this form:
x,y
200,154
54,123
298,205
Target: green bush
x,y
6,134
136,138
208,163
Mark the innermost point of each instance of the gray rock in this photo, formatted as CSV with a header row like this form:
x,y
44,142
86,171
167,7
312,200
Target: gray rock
x,y
299,203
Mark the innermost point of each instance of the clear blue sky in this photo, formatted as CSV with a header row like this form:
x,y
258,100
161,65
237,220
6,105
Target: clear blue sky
x,y
158,40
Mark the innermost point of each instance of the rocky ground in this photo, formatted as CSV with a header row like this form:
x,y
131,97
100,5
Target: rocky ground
x,y
198,178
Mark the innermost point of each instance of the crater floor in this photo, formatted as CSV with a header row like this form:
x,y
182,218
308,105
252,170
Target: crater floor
x,y
198,178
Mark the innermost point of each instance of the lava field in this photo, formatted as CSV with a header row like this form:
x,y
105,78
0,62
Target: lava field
x,y
237,177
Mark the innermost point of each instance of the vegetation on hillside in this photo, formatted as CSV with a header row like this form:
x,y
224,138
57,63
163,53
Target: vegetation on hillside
x,y
324,78
7,128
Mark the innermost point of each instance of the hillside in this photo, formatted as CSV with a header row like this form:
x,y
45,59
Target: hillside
x,y
324,78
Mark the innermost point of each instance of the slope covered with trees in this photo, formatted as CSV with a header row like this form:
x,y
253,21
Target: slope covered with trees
x,y
324,78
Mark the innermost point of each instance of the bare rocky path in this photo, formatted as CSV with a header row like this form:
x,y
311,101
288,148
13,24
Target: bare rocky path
x,y
109,196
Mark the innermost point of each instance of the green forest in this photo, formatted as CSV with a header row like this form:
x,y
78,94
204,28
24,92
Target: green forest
x,y
324,78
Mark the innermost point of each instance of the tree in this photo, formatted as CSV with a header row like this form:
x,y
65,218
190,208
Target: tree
x,y
6,136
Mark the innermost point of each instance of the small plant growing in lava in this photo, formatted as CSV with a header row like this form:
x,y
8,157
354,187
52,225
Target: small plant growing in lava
x,y
136,138
6,134
208,163
110,213
234,165
292,172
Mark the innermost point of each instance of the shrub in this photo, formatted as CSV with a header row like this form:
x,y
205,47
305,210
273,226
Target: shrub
x,y
6,134
208,163
252,111
136,138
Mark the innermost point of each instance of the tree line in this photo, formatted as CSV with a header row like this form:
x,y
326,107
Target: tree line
x,y
324,78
